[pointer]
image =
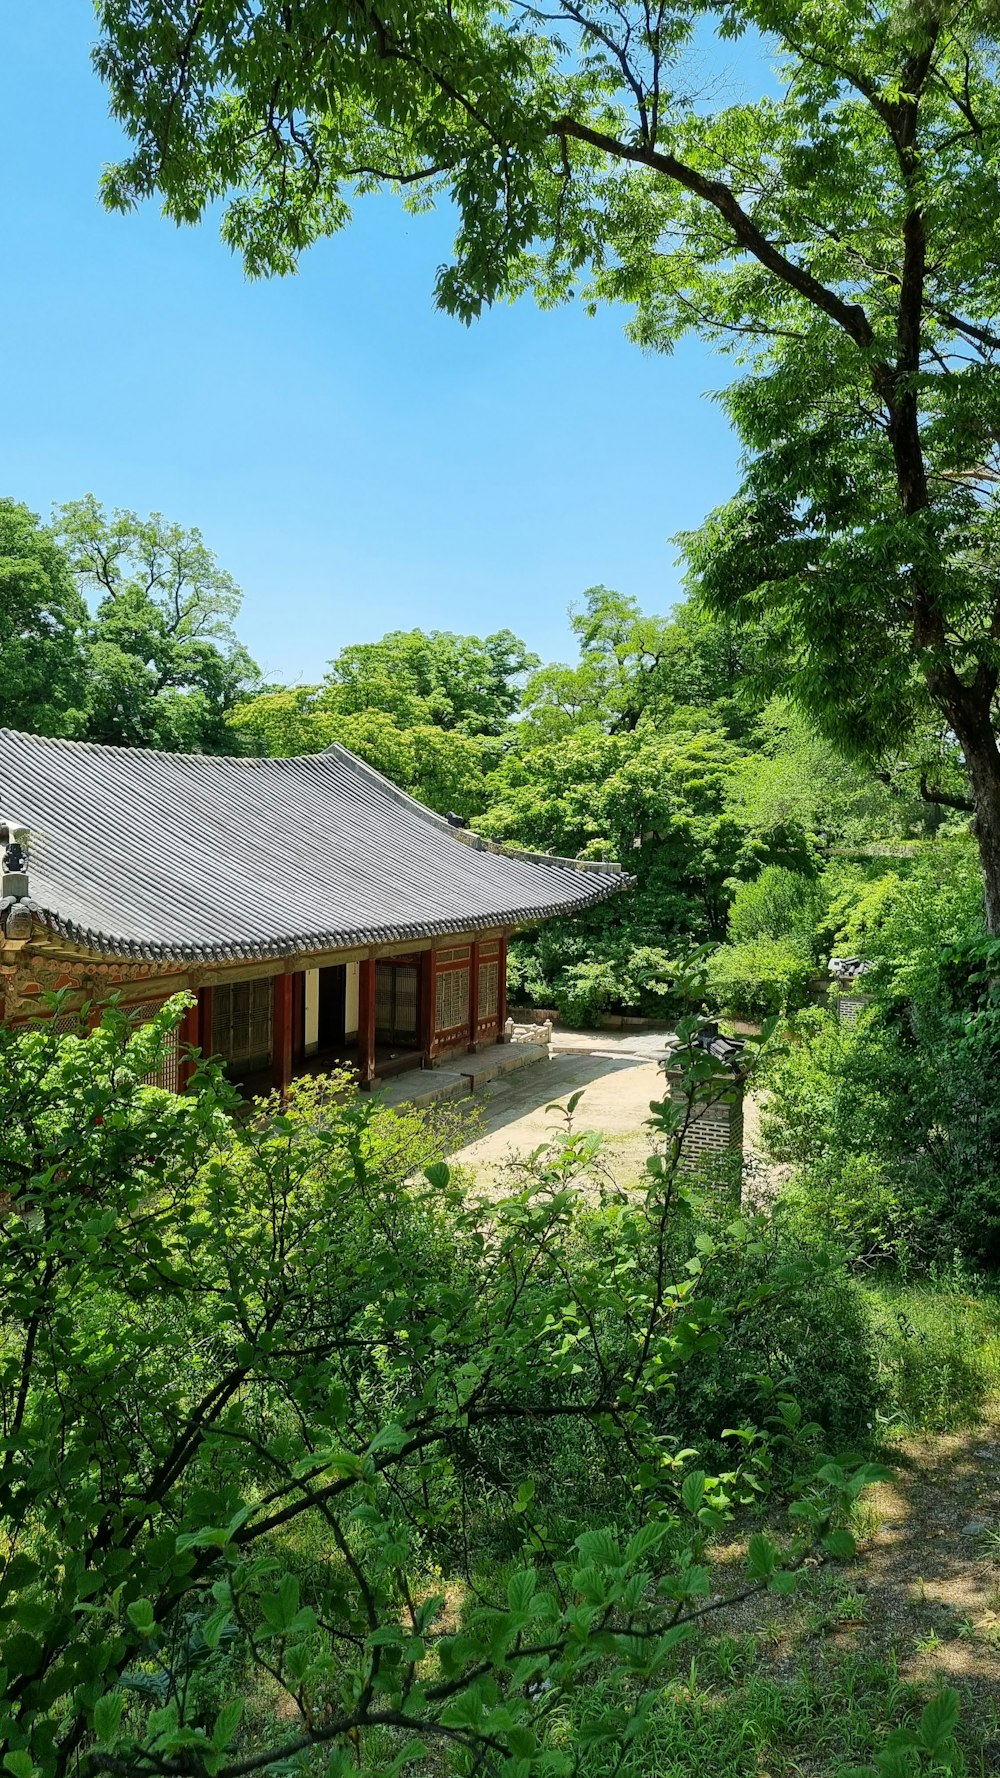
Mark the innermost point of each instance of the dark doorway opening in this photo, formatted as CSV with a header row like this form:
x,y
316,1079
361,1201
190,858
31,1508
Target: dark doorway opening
x,y
331,1032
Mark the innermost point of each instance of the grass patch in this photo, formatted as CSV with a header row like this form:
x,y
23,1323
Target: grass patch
x,y
728,1718
938,1347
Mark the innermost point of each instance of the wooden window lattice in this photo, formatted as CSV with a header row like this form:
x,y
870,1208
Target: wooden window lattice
x,y
241,1023
451,999
167,1075
396,987
489,990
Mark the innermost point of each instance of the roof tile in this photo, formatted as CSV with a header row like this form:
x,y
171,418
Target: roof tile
x,y
189,855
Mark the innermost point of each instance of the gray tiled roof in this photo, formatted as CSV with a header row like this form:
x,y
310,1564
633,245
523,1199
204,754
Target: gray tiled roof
x,y
179,856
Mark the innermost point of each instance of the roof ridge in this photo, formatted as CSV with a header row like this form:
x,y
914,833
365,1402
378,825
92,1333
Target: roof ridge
x,y
468,836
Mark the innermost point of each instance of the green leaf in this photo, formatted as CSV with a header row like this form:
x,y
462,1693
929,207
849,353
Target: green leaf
x,y
19,1763
525,1495
214,1627
693,1490
389,1438
438,1174
762,1556
839,1543
522,1741
140,1616
226,1723
783,1582
408,1756
645,1541
939,1720
520,1589
107,1715
599,1547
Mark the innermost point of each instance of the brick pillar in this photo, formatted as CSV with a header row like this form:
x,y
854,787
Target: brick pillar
x,y
715,1127
473,996
502,991
366,1022
426,1005
282,994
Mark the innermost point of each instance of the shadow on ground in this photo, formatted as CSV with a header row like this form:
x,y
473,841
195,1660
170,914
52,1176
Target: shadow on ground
x,y
617,1091
924,1592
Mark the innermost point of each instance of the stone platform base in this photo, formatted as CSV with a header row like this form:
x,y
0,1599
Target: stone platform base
x,y
461,1075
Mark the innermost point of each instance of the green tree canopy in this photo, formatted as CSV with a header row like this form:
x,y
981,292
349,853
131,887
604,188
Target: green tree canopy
x,y
471,684
634,666
428,709
164,662
838,233
41,621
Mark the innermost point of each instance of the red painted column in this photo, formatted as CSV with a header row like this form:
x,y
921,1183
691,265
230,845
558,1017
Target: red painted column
x,y
473,995
426,1010
298,1020
502,991
206,1039
366,1022
282,994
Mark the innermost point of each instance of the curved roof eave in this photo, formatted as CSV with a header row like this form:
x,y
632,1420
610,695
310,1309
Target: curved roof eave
x,y
193,857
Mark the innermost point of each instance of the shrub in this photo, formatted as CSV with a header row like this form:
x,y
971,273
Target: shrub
x,y
761,976
893,1122
801,1326
247,1378
583,991
777,904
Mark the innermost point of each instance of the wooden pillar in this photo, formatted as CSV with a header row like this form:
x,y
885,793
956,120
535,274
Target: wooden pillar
x,y
206,1036
188,1037
298,1020
473,995
366,1022
427,997
281,1033
502,991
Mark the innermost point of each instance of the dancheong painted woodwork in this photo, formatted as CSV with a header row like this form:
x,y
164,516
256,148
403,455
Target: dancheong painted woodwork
x,y
318,913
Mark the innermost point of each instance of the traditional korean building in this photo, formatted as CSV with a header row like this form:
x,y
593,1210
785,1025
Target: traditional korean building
x,y
319,914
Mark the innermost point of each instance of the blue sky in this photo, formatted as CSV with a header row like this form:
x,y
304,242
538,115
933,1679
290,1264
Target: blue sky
x,y
358,461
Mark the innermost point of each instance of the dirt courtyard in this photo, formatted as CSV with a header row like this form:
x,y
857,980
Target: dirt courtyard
x,y
619,1079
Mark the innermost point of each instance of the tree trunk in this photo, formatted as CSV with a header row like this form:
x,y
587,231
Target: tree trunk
x,y
982,759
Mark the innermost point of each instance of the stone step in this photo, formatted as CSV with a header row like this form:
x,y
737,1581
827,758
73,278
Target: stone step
x,y
424,1087
500,1059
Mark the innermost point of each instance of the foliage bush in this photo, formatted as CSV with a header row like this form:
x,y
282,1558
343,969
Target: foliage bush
x,y
894,1134
778,903
893,1120
248,1383
763,975
804,1329
901,910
